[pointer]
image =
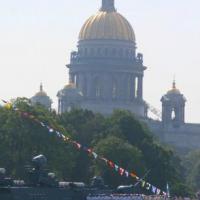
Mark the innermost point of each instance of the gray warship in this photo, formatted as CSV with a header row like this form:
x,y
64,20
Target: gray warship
x,y
42,185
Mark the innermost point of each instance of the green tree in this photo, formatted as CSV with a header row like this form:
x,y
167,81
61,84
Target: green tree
x,y
22,138
191,163
123,154
120,137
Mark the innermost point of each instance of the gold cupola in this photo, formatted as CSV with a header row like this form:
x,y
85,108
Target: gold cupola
x,y
174,90
41,92
107,23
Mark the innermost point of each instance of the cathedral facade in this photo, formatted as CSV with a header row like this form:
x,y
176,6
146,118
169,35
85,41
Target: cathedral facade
x,y
105,71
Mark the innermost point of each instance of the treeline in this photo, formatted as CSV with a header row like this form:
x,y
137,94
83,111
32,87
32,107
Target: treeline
x,y
119,137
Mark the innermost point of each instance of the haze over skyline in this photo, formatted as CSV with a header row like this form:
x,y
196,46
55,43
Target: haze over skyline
x,y
37,37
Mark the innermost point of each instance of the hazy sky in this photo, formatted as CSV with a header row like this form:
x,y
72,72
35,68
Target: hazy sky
x,y
36,37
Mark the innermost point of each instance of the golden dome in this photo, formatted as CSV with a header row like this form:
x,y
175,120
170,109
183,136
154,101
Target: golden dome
x,y
70,86
41,93
107,25
174,90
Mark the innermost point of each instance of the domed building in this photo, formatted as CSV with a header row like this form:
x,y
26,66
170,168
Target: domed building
x,y
105,68
69,97
172,129
42,98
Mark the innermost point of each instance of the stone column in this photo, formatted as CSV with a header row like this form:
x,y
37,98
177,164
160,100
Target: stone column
x,y
126,86
78,80
71,78
120,87
89,86
132,87
107,86
182,114
140,88
82,83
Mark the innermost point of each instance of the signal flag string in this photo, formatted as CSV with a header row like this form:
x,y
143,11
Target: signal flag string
x,y
90,151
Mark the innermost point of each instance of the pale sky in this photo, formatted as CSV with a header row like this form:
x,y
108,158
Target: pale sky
x,y
36,37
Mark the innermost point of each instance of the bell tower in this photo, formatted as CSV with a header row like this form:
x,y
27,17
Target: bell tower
x,y
173,108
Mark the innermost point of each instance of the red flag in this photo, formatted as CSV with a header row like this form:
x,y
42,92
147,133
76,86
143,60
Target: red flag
x,y
89,150
111,164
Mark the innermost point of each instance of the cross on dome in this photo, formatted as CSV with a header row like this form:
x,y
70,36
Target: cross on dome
x,y
174,84
108,5
174,89
41,87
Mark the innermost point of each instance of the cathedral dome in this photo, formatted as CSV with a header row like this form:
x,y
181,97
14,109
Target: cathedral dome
x,y
107,24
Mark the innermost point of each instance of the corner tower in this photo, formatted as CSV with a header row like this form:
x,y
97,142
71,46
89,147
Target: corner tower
x,y
173,108
105,67
42,98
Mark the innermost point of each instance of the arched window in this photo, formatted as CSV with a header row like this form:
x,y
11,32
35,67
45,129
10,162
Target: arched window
x,y
173,115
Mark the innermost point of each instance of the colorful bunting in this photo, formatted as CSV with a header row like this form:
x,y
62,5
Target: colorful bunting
x,y
133,175
143,183
153,188
164,193
158,191
8,106
66,139
58,134
42,124
116,168
4,101
51,130
63,136
95,155
111,164
148,186
104,159
126,173
89,150
121,171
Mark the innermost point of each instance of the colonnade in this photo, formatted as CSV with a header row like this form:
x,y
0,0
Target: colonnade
x,y
109,86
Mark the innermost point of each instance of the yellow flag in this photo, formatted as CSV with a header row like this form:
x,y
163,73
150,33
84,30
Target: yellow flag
x,y
8,106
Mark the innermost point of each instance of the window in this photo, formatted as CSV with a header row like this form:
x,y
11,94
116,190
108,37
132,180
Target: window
x,y
97,88
114,52
106,51
114,90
